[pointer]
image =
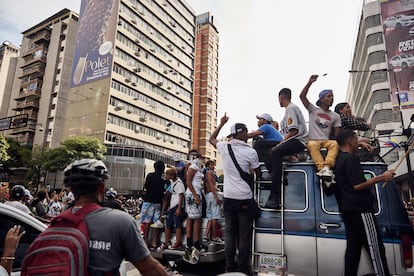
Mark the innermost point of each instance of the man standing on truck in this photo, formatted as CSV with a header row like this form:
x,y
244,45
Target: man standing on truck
x,y
239,205
354,197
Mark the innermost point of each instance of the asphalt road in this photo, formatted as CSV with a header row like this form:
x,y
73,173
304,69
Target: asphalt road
x,y
200,269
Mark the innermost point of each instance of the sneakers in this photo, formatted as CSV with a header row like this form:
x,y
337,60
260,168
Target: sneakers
x,y
163,246
191,255
325,172
217,240
272,202
175,246
157,224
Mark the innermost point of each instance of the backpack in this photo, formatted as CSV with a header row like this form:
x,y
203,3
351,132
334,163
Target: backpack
x,y
63,248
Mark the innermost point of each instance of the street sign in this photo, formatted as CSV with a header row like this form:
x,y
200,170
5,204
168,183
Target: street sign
x,y
13,122
5,123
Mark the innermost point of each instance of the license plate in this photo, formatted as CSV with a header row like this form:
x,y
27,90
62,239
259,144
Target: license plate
x,y
272,263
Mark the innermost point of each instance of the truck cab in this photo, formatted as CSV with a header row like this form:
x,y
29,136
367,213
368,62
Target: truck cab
x,y
307,235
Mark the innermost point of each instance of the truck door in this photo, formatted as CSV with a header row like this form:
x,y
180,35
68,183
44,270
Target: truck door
x,y
331,234
298,241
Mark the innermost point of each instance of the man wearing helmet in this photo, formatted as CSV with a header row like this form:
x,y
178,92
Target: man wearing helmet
x,y
16,198
116,229
111,201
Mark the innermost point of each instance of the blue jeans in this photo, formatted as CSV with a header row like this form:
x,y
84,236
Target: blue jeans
x,y
238,216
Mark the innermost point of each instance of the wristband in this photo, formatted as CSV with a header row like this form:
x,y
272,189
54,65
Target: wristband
x,y
6,259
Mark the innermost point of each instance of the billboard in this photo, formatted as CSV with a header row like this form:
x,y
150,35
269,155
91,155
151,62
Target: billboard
x,y
398,25
95,39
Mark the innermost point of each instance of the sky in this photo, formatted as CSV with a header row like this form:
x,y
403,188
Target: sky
x,y
264,46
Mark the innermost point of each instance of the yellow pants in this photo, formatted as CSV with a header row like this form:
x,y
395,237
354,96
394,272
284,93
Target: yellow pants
x,y
314,147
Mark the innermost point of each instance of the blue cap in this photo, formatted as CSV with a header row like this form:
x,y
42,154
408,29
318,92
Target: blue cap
x,y
322,94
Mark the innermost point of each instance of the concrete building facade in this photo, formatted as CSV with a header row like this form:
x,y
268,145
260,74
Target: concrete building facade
x,y
370,92
132,85
205,85
8,63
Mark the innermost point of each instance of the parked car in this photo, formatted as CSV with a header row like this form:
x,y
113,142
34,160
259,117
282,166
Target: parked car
x,y
10,216
399,20
401,61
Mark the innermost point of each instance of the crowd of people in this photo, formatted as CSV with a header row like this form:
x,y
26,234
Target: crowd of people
x,y
170,196
174,193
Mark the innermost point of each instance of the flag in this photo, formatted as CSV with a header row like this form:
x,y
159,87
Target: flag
x,y
391,144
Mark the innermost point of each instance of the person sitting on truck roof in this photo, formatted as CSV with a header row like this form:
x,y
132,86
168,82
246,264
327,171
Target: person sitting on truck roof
x,y
294,131
349,121
322,122
354,197
270,137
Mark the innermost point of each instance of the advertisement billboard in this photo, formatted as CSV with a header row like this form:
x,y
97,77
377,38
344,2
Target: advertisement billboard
x,y
398,25
95,39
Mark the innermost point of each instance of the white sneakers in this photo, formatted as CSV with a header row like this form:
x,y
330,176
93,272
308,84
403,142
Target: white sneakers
x,y
325,172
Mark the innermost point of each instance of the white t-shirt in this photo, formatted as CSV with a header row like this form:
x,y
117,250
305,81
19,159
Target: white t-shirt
x,y
294,119
177,188
234,186
198,177
54,209
321,123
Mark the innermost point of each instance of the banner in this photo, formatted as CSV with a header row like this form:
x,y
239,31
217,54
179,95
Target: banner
x,y
95,39
398,24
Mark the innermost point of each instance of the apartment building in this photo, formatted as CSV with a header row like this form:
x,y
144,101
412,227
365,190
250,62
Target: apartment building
x,y
8,62
132,84
41,80
379,88
205,85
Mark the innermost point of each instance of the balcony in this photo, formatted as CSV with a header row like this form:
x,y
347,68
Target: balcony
x,y
42,36
27,104
33,60
35,71
35,93
30,51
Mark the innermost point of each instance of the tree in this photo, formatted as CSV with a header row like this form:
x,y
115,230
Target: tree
x,y
73,149
4,146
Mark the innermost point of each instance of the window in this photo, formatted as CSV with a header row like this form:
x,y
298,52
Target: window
x,y
295,191
330,204
6,223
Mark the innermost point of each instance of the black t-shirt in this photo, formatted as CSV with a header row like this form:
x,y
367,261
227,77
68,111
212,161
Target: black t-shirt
x,y
154,188
349,172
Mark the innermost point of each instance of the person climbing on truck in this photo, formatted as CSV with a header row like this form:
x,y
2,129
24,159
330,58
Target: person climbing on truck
x,y
355,202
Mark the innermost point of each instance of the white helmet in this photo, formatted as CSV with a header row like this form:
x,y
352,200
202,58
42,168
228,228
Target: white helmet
x,y
85,171
111,193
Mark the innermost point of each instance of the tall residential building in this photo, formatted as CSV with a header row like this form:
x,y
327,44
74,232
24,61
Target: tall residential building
x,y
42,80
132,84
205,84
381,86
8,62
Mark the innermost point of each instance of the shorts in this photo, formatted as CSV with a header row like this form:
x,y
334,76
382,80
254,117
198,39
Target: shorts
x,y
192,209
212,208
173,220
150,212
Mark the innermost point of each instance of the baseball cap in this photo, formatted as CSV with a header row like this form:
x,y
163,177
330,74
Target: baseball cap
x,y
265,116
322,94
236,128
